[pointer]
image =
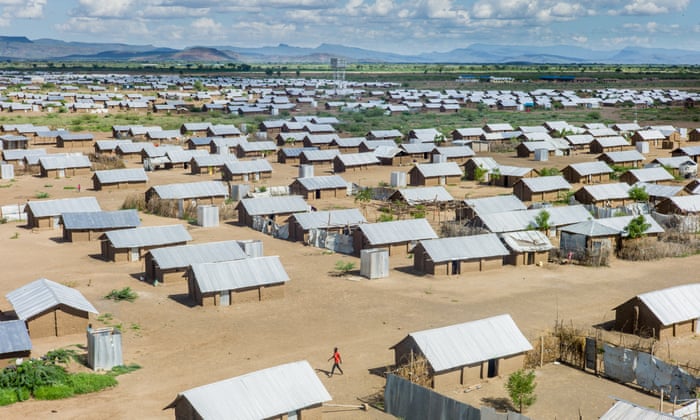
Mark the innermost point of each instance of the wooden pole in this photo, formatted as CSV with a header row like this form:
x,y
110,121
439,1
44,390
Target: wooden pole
x,y
541,350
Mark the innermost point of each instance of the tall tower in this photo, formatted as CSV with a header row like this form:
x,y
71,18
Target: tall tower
x,y
338,66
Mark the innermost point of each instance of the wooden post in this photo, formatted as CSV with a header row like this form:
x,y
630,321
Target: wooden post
x,y
541,350
661,401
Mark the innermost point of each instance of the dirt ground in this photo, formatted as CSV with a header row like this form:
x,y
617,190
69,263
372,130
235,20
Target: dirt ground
x,y
180,346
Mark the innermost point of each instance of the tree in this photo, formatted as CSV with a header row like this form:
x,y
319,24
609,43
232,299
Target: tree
x,y
364,196
521,388
638,194
542,220
637,227
439,139
480,174
198,85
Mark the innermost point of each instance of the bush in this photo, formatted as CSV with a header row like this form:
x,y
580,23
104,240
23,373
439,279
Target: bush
x,y
123,294
134,201
8,396
83,383
122,369
53,392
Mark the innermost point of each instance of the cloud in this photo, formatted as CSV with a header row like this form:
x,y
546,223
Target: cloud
x,y
21,9
118,29
102,8
538,10
656,7
167,12
579,39
626,40
206,27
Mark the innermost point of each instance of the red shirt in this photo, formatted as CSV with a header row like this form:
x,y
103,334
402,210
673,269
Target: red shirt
x,y
336,357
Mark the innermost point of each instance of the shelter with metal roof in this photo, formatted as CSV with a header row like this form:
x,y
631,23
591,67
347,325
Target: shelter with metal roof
x,y
203,192
210,164
624,158
527,247
170,263
543,188
651,175
518,220
276,209
681,205
339,221
604,195
422,195
291,390
64,165
399,236
244,170
587,172
465,353
435,173
622,410
51,309
231,282
496,174
354,161
46,214
319,187
14,340
459,255
665,313
88,226
132,244
473,207
119,179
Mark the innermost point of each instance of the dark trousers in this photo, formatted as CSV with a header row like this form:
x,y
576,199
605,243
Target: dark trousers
x,y
335,365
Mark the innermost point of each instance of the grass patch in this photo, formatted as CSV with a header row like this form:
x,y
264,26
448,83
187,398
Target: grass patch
x,y
53,392
42,194
69,188
123,294
123,369
8,396
84,383
15,236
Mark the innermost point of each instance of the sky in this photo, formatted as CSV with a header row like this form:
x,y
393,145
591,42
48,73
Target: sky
x,y
398,26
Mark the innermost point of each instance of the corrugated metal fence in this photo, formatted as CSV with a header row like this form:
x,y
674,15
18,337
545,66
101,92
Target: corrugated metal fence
x,y
410,401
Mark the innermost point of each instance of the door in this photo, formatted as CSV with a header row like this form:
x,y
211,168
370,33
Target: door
x,y
318,194
134,254
442,180
530,258
493,368
61,173
225,298
455,267
293,415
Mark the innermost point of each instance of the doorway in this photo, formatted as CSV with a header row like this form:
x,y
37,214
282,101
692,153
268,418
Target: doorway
x,y
493,368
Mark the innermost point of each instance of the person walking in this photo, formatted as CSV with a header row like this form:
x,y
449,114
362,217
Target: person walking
x,y
337,361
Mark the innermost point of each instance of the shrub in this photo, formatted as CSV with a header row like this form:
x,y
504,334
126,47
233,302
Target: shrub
x,y
53,392
8,396
123,294
521,389
83,383
42,194
134,201
344,267
122,369
61,355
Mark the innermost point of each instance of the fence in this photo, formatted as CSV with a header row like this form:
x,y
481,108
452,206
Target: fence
x,y
409,401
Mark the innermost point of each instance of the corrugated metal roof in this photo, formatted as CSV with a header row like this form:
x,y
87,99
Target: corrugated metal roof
x,y
46,208
213,160
43,294
687,203
349,141
101,219
590,228
513,221
239,274
243,167
455,151
432,170
259,395
623,156
64,162
184,156
191,190
113,176
621,222
660,190
19,154
320,155
148,236
321,138
651,135
186,255
130,148
614,141
505,170
357,159
330,218
422,195
623,410
464,247
103,145
14,337
386,152
75,136
261,206
417,148
495,204
397,231
296,151
471,342
651,174
579,139
591,168
323,182
257,146
599,192
674,161
527,241
546,183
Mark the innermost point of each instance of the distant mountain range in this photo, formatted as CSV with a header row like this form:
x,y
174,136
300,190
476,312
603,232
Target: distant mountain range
x,y
22,49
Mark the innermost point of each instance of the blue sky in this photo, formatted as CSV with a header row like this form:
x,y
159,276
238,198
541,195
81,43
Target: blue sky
x,y
399,26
